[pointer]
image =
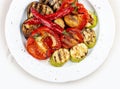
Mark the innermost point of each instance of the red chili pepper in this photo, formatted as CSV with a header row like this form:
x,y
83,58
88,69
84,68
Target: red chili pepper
x,y
47,22
58,14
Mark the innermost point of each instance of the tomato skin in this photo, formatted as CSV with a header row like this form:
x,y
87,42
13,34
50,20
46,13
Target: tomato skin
x,y
76,33
43,31
40,43
82,11
35,51
72,37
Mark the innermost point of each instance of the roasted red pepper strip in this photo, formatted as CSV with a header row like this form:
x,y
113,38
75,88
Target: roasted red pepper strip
x,y
58,14
47,22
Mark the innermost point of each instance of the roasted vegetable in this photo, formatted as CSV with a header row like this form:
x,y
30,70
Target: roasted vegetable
x,y
54,4
89,37
92,21
28,28
41,8
42,43
60,57
77,20
78,52
46,22
71,37
60,22
72,20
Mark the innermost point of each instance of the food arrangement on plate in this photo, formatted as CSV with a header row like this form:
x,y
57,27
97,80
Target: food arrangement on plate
x,y
61,30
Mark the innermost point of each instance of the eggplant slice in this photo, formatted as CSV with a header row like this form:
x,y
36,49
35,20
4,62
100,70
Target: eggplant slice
x,y
41,8
28,28
54,4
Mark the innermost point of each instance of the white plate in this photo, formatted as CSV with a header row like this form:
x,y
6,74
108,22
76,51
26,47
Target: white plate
x,y
70,71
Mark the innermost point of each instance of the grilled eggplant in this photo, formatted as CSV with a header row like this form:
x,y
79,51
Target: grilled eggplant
x,y
89,37
41,8
28,28
78,52
54,4
60,57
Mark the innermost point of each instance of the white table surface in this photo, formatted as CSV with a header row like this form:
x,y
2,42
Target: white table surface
x,y
106,77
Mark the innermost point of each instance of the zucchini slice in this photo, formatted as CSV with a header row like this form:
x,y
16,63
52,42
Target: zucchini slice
x,y
89,37
92,22
60,57
78,52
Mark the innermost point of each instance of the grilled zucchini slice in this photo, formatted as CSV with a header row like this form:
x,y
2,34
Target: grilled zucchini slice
x,y
89,37
78,52
92,22
41,8
60,57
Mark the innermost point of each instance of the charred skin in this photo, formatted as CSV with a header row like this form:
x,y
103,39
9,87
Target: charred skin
x,y
28,28
41,8
54,4
60,57
89,37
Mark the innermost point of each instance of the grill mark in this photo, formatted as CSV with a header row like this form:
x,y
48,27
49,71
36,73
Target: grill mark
x,y
59,56
46,9
55,58
64,55
38,7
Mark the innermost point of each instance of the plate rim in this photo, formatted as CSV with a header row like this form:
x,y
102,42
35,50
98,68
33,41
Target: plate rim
x,y
70,79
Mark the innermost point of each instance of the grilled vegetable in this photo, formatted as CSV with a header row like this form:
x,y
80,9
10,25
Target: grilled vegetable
x,y
71,37
28,28
78,52
59,57
42,43
72,20
54,4
89,37
41,8
60,22
92,21
83,14
46,22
